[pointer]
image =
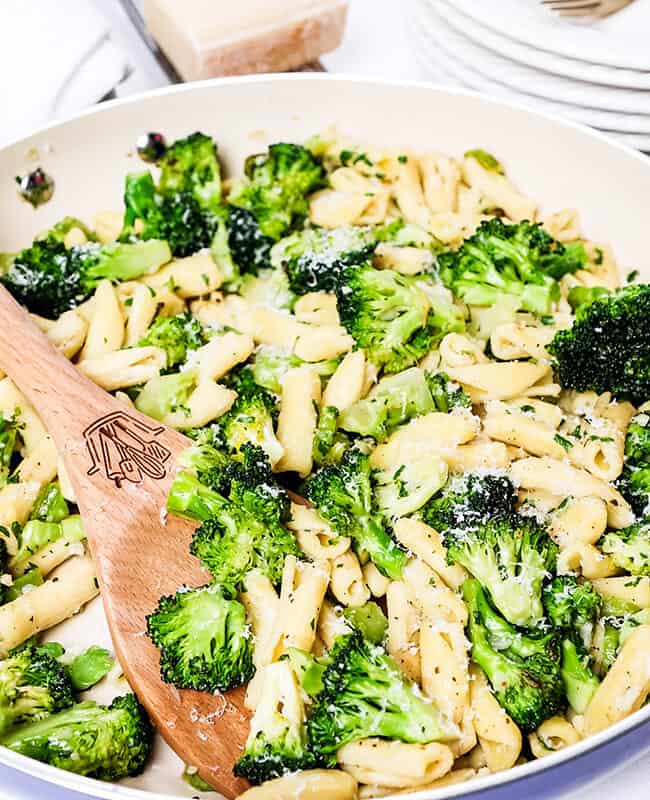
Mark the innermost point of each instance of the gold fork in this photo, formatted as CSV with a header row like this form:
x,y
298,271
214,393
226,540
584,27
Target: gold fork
x,y
586,8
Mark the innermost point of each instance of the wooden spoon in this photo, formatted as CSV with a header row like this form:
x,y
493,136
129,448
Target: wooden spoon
x,y
121,464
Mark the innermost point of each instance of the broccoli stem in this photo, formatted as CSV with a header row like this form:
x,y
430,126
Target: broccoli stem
x,y
579,681
188,497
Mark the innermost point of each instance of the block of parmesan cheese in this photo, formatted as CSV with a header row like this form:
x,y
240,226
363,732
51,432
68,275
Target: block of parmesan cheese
x,y
208,38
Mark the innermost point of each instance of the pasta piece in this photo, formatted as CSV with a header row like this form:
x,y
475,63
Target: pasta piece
x,y
49,558
301,392
403,637
601,450
457,350
140,306
106,326
405,260
208,401
108,226
498,191
499,737
581,520
552,735
317,308
123,368
67,489
346,386
332,209
625,687
12,400
440,181
40,465
602,269
375,581
587,560
193,276
301,596
315,537
450,779
514,340
548,413
635,591
395,764
431,595
60,597
67,333
426,543
262,607
322,342
444,666
310,784
404,174
498,381
478,455
467,740
517,428
16,501
564,225
347,583
221,354
558,477
273,327
331,623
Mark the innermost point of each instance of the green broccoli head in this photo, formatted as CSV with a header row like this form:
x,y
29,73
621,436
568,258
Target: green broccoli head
x,y
277,743
49,278
364,693
343,494
32,685
630,547
392,317
607,349
523,670
329,443
510,556
9,444
204,640
105,742
251,418
446,394
239,247
634,481
277,187
177,336
520,260
469,499
243,511
393,401
570,603
183,208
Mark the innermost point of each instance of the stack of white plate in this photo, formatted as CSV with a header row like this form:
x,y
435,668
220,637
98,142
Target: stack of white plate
x,y
596,73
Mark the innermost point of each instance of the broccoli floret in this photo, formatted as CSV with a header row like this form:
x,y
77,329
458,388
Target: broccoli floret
x,y
469,499
183,209
9,444
393,401
204,640
523,670
446,394
520,260
510,556
369,619
634,481
630,547
176,335
277,187
243,511
343,494
239,247
105,742
165,394
392,317
329,443
269,365
607,349
580,296
251,418
32,685
364,693
573,608
49,278
277,743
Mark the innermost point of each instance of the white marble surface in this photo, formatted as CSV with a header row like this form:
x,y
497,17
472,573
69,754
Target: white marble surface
x,y
376,44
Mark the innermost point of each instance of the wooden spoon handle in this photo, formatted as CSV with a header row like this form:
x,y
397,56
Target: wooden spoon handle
x,y
66,400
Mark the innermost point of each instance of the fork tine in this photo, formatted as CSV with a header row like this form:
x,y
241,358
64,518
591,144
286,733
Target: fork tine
x,y
559,5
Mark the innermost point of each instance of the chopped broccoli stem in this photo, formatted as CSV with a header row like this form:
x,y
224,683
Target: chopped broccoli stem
x,y
9,444
580,683
369,619
630,547
204,640
50,505
105,742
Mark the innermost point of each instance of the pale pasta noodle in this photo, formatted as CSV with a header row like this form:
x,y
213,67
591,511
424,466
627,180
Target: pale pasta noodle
x,y
315,537
405,260
301,392
450,779
315,784
331,623
498,191
301,595
67,333
123,368
580,520
426,543
440,182
395,764
317,308
552,735
108,225
513,340
403,629
139,305
12,400
375,581
564,225
499,737
444,666
221,354
263,606
106,325
347,583
587,560
498,381
206,402
457,350
40,466
192,276
321,342
346,386
404,174
16,501
431,595
635,591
